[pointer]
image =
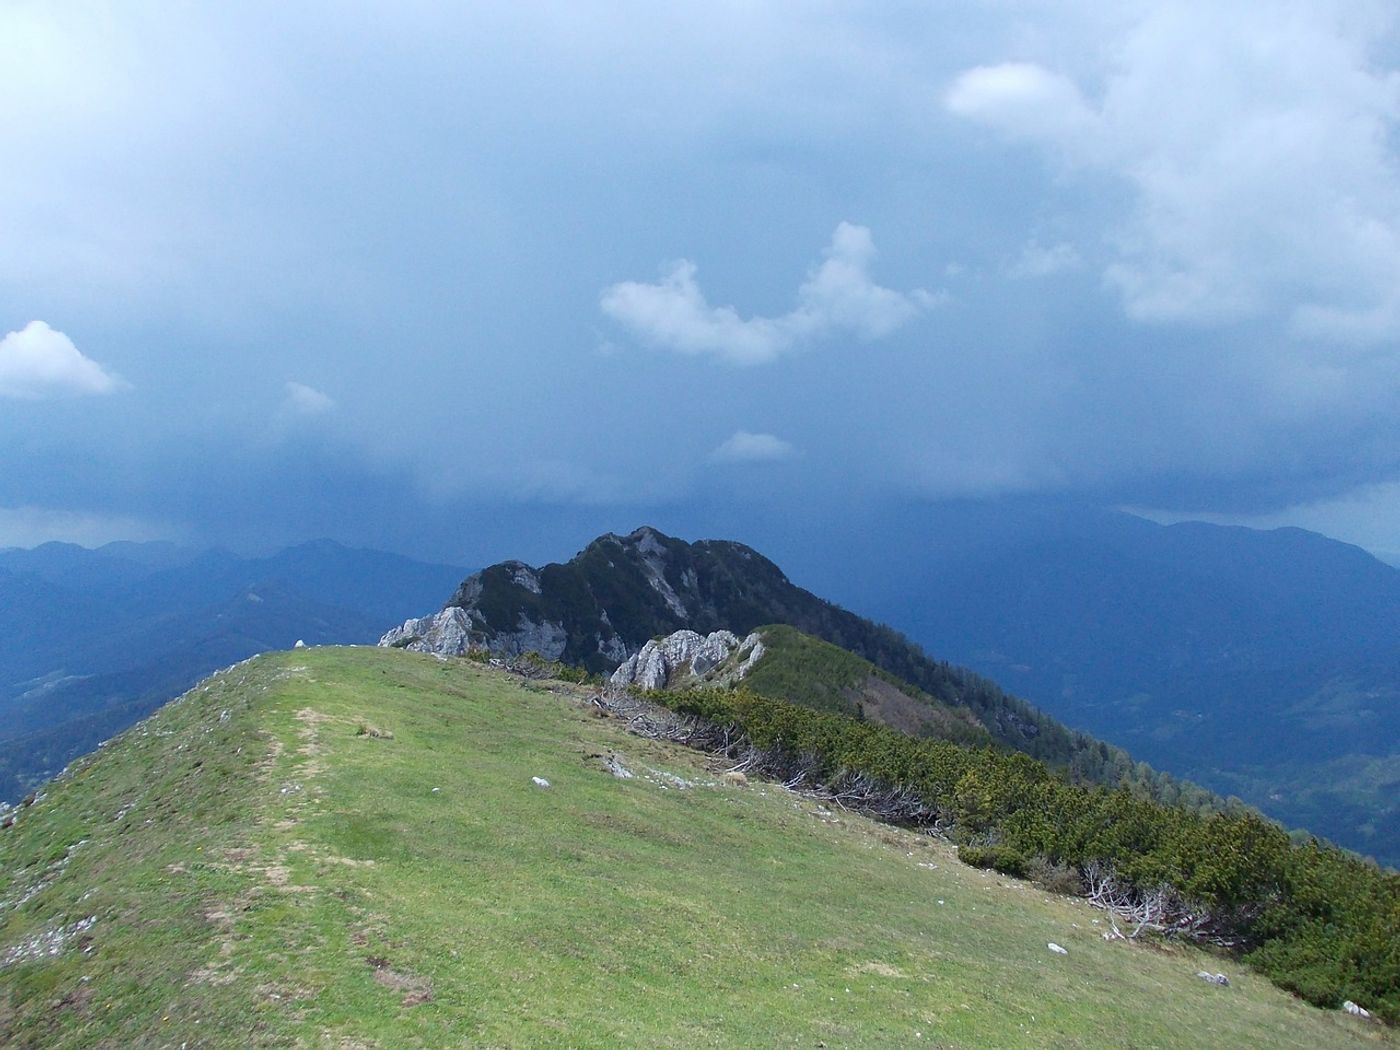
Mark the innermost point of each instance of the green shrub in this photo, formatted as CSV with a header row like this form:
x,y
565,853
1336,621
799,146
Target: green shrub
x,y
998,858
1315,920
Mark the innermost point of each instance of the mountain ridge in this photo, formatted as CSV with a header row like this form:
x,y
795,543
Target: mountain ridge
x,y
348,847
621,591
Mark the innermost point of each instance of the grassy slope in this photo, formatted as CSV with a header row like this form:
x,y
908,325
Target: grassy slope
x,y
281,880
819,675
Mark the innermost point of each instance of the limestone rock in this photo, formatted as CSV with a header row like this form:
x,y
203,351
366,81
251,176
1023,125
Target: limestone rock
x,y
1214,978
1356,1011
454,631
1057,949
614,766
546,638
447,633
685,653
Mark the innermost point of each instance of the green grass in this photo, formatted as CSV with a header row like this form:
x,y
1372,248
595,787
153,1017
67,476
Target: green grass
x,y
287,879
816,674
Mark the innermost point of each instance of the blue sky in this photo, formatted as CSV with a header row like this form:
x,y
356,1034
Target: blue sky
x,y
468,281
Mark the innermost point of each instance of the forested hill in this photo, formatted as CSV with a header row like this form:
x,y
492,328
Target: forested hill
x,y
621,591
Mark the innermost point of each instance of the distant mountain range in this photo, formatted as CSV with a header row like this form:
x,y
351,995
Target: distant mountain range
x,y
92,640
1264,664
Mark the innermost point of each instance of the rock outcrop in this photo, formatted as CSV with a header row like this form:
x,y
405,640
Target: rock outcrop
x,y
602,606
454,632
447,633
688,654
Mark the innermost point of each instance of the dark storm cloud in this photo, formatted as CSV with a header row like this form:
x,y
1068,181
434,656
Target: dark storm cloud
x,y
368,271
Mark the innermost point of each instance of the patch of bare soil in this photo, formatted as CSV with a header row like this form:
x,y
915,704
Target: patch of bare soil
x,y
416,990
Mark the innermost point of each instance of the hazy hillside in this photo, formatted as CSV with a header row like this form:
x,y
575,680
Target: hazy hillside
x,y
1262,664
91,640
345,848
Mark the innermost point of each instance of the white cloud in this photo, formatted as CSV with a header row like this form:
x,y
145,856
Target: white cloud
x,y
838,296
1257,141
1036,260
38,361
1023,100
303,400
744,447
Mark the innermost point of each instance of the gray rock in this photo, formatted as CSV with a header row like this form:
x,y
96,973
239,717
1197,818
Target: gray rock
x,y
1214,978
659,663
614,766
1057,949
539,782
1356,1011
453,632
547,638
614,648
653,554
448,633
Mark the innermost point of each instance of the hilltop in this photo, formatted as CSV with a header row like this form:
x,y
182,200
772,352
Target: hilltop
x,y
619,592
345,847
92,640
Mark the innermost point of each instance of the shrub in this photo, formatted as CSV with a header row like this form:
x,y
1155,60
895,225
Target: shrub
x,y
1055,878
1004,859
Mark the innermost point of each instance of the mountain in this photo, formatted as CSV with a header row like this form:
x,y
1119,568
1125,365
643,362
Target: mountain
x,y
622,591
347,847
1263,664
92,640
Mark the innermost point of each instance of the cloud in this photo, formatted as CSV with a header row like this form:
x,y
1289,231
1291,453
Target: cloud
x,y
837,297
303,400
1256,142
1036,260
38,362
744,447
1023,100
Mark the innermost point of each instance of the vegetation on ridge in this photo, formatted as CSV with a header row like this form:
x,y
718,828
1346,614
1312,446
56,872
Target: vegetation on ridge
x,y
612,593
1316,920
262,874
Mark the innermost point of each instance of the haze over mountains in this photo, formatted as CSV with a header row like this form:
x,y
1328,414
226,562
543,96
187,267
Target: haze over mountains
x,y
1264,664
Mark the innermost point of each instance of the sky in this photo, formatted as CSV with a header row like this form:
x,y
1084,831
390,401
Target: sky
x,y
468,281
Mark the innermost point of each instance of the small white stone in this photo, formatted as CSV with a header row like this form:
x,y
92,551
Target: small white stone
x,y
539,782
1057,949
